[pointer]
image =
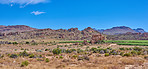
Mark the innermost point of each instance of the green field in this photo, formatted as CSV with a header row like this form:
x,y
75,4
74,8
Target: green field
x,y
126,41
119,42
129,42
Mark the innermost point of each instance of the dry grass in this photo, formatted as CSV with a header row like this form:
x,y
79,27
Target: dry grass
x,y
111,62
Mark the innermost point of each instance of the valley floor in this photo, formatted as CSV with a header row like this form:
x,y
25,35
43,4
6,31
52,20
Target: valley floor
x,y
41,56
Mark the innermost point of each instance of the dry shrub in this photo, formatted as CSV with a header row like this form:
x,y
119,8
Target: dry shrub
x,y
131,61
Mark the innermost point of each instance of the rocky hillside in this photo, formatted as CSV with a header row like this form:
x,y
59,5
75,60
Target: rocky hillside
x,y
118,30
129,36
70,34
16,28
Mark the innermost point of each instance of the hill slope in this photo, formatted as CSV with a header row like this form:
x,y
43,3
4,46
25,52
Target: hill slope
x,y
16,28
118,30
70,34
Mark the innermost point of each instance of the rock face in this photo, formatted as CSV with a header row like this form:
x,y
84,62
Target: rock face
x,y
16,28
118,30
97,38
70,34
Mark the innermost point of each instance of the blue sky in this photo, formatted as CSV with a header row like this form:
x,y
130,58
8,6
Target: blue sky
x,y
56,14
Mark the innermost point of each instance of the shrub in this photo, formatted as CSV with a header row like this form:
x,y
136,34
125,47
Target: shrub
x,y
13,56
63,50
109,48
139,52
98,47
130,48
68,51
100,41
113,52
133,52
93,49
24,53
34,44
74,56
80,57
137,48
87,47
8,54
1,56
46,60
46,49
106,54
73,50
145,57
121,53
79,50
49,55
121,48
127,54
27,42
15,49
86,58
40,59
40,56
145,52
98,55
56,51
39,51
31,56
25,63
22,48
102,52
61,57
105,50
14,43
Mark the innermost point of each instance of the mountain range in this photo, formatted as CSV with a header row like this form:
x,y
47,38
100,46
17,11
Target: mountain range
x,y
120,30
16,28
111,31
19,32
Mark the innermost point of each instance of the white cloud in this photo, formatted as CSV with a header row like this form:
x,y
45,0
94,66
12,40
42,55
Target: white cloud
x,y
23,3
37,12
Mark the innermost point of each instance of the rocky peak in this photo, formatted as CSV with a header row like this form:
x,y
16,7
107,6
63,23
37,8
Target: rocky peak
x,y
90,30
73,30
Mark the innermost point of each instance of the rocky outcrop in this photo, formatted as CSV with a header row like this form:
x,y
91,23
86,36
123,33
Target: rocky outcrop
x,y
70,34
97,38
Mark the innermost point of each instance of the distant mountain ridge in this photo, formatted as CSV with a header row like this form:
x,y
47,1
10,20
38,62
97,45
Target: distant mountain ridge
x,y
111,31
15,28
120,30
140,30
